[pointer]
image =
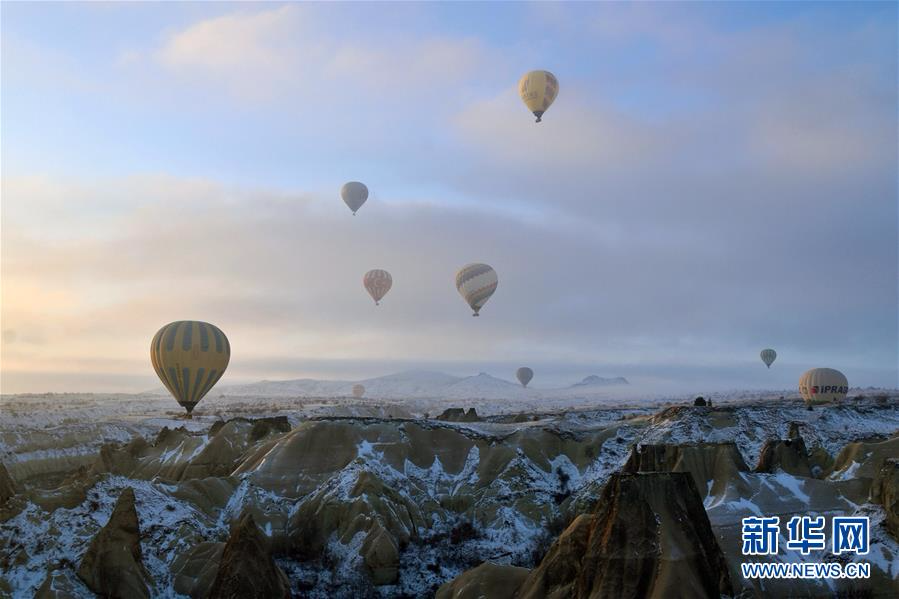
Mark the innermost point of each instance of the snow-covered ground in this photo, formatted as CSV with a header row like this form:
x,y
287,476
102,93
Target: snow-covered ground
x,y
553,460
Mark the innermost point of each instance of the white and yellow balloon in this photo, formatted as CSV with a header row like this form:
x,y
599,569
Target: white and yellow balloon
x,y
538,90
823,385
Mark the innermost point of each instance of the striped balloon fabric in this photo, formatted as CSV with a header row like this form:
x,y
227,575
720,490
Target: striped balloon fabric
x,y
189,357
476,283
377,282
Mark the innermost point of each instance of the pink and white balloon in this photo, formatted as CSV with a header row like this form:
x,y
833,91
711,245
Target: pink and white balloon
x,y
377,282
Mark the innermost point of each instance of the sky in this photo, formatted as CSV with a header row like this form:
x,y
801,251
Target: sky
x,y
713,179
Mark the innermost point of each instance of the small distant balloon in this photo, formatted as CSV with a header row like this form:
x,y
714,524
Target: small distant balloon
x,y
768,357
538,89
476,283
358,391
823,385
524,375
354,195
189,357
377,282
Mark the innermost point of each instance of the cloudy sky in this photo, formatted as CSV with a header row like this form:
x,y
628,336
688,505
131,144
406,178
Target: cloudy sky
x,y
713,179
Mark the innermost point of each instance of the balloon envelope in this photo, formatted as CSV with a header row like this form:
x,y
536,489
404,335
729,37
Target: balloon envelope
x,y
476,283
354,195
768,357
377,282
524,375
822,385
189,357
358,391
538,89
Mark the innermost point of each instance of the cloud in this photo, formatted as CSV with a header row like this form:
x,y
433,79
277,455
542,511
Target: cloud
x,y
313,55
242,41
280,272
698,193
773,154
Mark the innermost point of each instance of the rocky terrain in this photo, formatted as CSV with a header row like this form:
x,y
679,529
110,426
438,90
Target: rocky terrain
x,y
611,502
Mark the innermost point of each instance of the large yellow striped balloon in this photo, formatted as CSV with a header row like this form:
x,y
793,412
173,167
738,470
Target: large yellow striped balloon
x,y
476,283
538,89
189,357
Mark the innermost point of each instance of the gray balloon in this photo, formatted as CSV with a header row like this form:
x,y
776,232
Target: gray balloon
x,y
524,375
354,195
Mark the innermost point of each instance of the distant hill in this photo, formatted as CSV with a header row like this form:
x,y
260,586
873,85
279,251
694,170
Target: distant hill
x,y
415,384
484,386
598,381
290,388
410,383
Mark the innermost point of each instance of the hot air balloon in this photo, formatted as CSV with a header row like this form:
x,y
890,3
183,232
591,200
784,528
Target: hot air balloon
x,y
768,357
524,375
354,195
377,282
476,283
822,385
538,89
189,357
358,391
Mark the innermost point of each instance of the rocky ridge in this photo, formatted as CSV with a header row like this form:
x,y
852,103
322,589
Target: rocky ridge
x,y
387,507
113,565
